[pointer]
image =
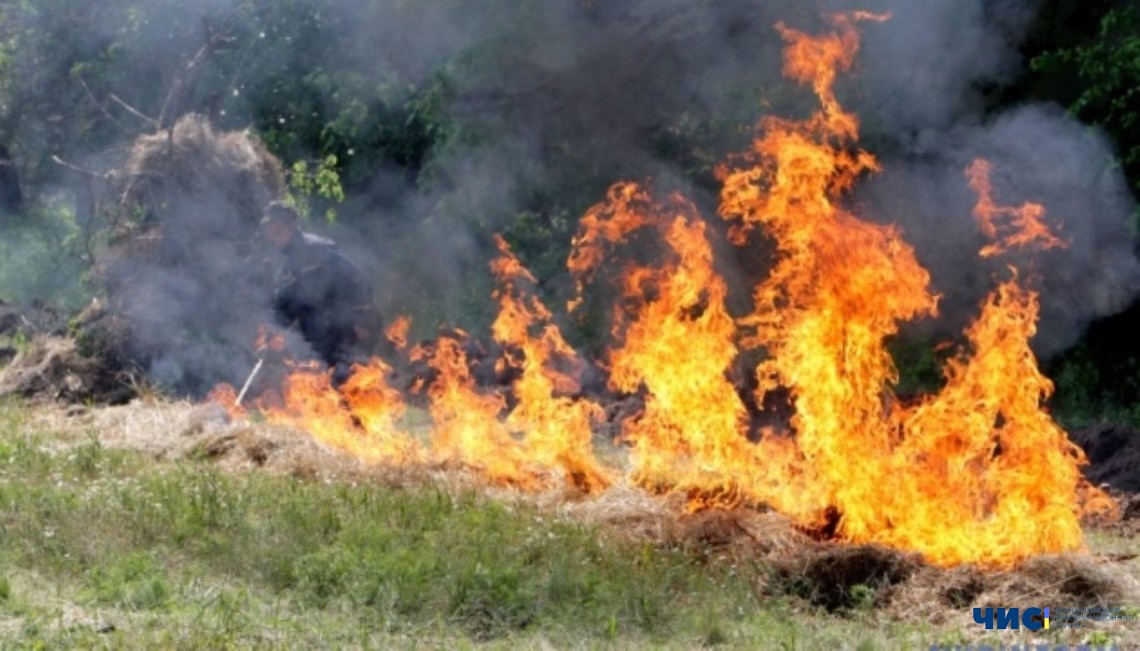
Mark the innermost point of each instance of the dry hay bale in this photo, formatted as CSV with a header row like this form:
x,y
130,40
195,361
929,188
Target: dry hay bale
x,y
187,284
52,368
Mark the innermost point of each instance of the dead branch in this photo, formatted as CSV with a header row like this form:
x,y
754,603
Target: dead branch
x,y
134,111
82,170
100,105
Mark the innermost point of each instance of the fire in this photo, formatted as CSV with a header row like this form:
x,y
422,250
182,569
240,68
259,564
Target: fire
x,y
397,332
678,344
269,340
467,429
361,418
978,473
226,395
1025,226
558,429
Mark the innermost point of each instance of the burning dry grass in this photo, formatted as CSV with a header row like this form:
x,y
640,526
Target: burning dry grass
x,y
976,476
791,562
840,577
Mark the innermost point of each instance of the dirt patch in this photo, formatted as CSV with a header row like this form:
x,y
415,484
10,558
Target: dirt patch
x,y
1114,456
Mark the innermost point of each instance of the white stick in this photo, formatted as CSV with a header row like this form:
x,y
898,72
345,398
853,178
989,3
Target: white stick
x,y
248,381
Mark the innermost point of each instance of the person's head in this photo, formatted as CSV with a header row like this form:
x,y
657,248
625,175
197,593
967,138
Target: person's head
x,y
280,223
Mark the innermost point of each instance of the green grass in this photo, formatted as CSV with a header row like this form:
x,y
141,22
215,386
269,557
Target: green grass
x,y
110,549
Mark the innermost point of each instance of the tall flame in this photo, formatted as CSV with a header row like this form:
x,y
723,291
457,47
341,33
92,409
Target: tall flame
x,y
467,429
979,473
558,428
679,344
677,341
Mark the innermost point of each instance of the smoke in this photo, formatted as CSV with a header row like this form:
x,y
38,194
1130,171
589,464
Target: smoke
x,y
548,103
1039,154
585,101
920,91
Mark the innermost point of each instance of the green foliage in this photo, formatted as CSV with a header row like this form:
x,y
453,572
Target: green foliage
x,y
45,258
1109,69
918,364
1087,392
322,182
135,582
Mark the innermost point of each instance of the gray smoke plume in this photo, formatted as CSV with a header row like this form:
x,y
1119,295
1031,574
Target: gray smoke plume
x,y
553,101
589,93
919,90
1040,155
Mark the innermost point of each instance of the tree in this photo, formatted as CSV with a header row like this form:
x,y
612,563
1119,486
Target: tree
x,y
1109,95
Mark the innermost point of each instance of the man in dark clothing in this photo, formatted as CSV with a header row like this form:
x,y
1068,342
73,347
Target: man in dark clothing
x,y
323,292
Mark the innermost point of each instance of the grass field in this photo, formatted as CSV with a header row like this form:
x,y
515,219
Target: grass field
x,y
110,548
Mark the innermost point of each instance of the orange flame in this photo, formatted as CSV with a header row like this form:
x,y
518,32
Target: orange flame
x,y
979,473
558,429
678,345
1025,226
266,340
397,332
360,419
467,429
226,395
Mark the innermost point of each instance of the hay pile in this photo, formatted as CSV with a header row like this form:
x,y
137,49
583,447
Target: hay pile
x,y
38,360
186,280
195,182
52,368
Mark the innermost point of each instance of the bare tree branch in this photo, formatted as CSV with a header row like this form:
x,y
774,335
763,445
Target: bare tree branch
x,y
76,168
133,111
102,108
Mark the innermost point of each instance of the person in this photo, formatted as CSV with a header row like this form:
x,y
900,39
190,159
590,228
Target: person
x,y
322,292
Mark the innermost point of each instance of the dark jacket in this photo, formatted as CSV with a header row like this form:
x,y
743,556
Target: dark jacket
x,y
329,299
